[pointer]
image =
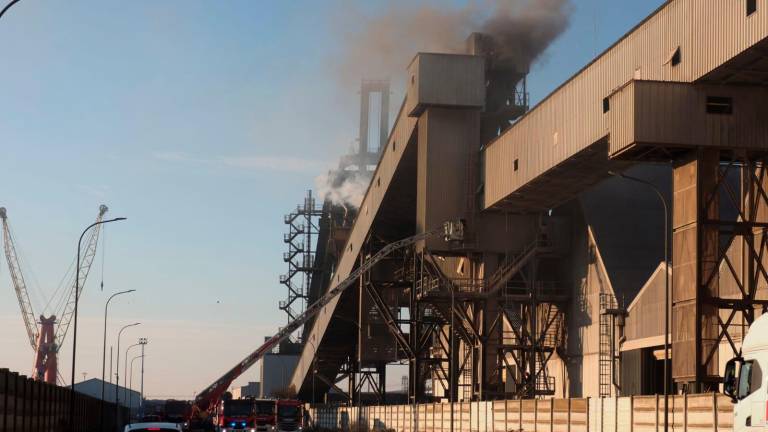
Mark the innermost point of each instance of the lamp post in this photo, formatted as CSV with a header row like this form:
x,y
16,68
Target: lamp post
x,y
314,369
451,361
125,368
666,286
8,6
117,372
77,298
130,382
104,353
143,342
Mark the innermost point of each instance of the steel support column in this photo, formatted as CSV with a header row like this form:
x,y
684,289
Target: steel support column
x,y
719,248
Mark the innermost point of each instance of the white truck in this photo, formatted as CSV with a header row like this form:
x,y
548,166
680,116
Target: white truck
x,y
746,380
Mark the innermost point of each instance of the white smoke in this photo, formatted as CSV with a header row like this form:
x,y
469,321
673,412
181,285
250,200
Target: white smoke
x,y
342,187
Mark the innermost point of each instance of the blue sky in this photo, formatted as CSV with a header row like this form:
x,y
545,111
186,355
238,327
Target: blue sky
x,y
203,123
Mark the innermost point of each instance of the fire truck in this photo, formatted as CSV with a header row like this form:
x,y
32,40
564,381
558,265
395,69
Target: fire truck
x,y
265,414
236,415
289,415
176,411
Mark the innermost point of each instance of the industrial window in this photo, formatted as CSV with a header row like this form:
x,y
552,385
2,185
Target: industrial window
x,y
515,164
719,105
676,57
751,7
606,105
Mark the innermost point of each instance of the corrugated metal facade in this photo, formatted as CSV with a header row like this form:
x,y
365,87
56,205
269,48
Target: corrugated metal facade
x,y
448,80
646,312
648,113
708,33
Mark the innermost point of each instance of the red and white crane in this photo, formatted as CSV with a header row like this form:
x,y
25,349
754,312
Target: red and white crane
x,y
46,334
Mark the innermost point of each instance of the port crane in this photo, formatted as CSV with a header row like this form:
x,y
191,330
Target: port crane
x,y
46,334
207,399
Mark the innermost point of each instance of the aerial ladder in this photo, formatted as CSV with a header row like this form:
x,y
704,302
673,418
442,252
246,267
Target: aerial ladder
x,y
208,399
47,335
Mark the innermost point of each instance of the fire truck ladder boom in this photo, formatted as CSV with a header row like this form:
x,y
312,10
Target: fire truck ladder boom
x,y
453,231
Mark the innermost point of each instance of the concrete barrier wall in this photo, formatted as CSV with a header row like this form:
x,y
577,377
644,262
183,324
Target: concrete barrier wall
x,y
687,413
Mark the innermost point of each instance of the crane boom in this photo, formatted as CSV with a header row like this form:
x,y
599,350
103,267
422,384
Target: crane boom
x,y
85,267
19,285
210,395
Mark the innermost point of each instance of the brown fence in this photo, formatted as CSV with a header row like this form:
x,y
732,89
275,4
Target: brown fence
x,y
33,406
687,413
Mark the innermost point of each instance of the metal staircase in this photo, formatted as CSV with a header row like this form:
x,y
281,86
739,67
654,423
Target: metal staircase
x,y
511,266
301,239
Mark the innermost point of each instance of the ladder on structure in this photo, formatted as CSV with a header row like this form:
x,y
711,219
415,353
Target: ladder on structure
x,y
606,356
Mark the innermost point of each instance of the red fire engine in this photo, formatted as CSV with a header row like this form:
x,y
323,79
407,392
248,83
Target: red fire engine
x,y
289,416
236,415
265,414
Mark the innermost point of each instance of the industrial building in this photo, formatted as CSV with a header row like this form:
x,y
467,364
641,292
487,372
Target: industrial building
x,y
558,288
93,387
252,389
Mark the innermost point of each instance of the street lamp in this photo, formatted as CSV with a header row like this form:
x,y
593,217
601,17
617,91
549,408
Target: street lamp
x,y
104,353
117,371
314,369
77,298
130,382
666,286
142,342
8,6
125,368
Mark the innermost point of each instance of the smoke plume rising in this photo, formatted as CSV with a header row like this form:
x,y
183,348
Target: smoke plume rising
x,y
382,45
342,187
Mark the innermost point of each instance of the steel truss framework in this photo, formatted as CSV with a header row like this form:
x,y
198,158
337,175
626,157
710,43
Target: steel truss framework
x,y
735,224
531,316
513,319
